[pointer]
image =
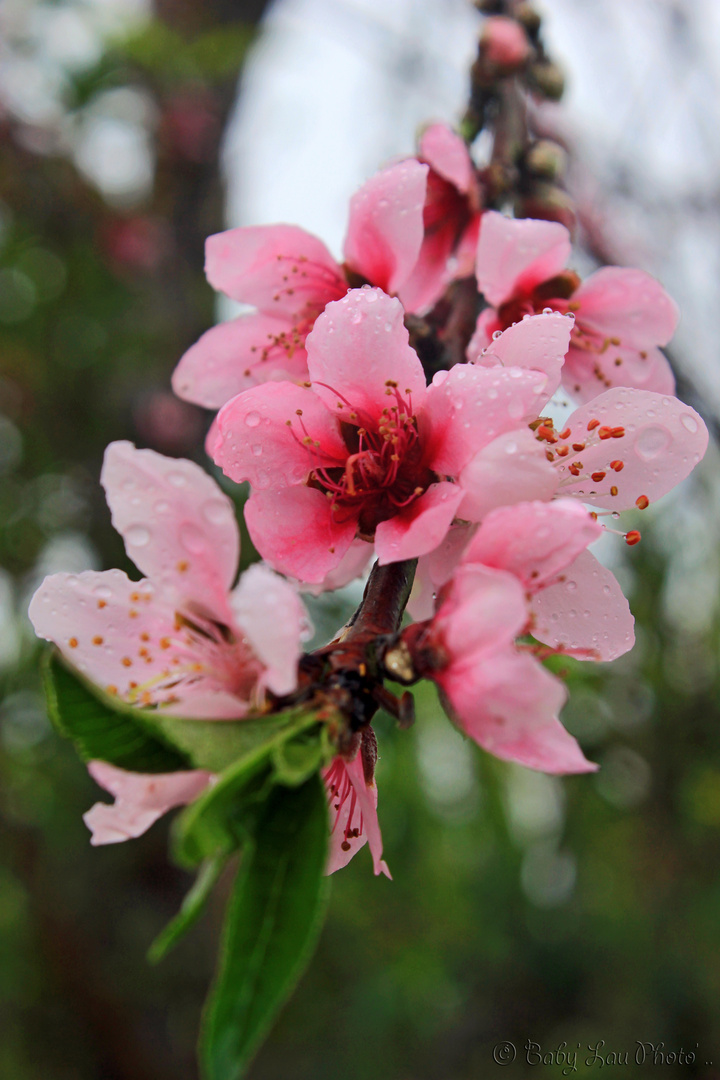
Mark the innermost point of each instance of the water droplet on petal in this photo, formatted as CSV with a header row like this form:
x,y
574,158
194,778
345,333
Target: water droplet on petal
x,y
689,422
652,441
217,511
252,419
177,479
138,536
192,539
497,334
256,449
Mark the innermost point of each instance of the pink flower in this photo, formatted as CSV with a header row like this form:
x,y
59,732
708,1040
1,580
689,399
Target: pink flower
x,y
180,639
289,276
451,218
367,450
525,571
504,45
352,802
140,799
622,315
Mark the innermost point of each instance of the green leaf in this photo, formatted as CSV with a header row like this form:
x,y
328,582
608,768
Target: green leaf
x,y
102,728
294,760
218,821
213,744
273,922
190,910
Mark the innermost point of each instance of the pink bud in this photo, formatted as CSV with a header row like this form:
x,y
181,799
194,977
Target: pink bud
x,y
504,43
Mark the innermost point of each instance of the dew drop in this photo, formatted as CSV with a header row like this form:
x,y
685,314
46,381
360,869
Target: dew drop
x,y
571,586
177,479
252,419
652,441
547,311
162,507
689,422
256,449
217,511
497,334
192,539
138,536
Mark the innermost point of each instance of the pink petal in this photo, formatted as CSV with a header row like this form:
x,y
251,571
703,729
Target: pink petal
x,y
486,325
512,469
274,621
467,407
420,527
353,811
432,272
351,566
663,440
357,345
98,619
257,443
446,153
481,610
279,269
140,799
515,255
466,250
587,374
627,304
435,569
385,230
586,610
178,526
534,540
538,342
508,703
235,355
316,543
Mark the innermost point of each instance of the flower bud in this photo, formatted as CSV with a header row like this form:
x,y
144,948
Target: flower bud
x,y
547,202
546,159
528,17
504,46
546,79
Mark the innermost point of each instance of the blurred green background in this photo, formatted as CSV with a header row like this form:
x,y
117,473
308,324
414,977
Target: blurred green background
x,y
523,907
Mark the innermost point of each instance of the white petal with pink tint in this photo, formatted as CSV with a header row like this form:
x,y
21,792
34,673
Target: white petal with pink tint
x,y
279,269
273,618
108,627
534,541
517,254
178,526
316,543
512,469
357,345
235,355
627,304
385,229
467,407
585,610
353,808
434,569
663,440
140,799
351,566
262,436
538,342
446,153
419,527
587,373
482,610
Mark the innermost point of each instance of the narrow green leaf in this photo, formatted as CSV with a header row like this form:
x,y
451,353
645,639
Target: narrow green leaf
x,y
294,760
101,727
218,821
213,744
190,910
273,922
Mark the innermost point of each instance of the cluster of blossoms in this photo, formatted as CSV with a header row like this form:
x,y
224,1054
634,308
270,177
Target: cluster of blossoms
x,y
350,452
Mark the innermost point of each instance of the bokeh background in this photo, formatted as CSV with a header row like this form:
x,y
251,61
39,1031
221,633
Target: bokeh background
x,y
523,907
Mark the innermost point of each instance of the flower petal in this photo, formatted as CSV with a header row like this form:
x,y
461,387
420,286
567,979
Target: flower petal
x,y
385,229
316,542
435,569
351,812
446,153
351,566
511,469
279,269
585,611
533,540
482,610
587,374
467,407
235,355
178,526
659,441
538,342
432,272
508,703
140,799
262,436
627,304
274,621
420,527
356,347
515,255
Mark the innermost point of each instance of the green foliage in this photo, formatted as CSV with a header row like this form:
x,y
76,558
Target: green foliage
x,y
190,910
272,924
